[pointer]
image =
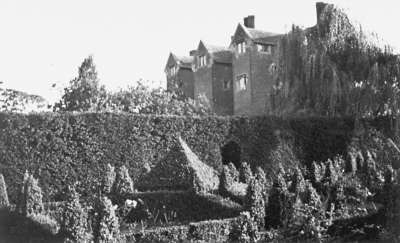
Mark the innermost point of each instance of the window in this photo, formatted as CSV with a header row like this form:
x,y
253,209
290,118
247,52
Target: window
x,y
242,82
202,61
272,68
173,70
264,48
226,84
241,47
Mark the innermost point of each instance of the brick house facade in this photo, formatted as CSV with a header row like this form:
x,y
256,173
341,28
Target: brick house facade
x,y
237,79
180,75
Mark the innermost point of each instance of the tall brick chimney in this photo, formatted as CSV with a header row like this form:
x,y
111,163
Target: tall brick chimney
x,y
320,8
249,21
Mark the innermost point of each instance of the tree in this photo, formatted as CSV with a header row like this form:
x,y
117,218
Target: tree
x,y
84,92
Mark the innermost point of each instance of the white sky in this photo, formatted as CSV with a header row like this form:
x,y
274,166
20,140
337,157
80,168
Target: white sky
x,y
44,41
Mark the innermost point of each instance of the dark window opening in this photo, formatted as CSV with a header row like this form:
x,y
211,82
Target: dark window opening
x,y
231,153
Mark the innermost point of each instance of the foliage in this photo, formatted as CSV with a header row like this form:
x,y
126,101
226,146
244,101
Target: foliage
x,y
392,201
211,230
84,92
255,201
108,180
81,145
3,193
31,199
245,229
140,99
123,183
46,222
245,173
17,101
277,201
73,225
106,228
333,69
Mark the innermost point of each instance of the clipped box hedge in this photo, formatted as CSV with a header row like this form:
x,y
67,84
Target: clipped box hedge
x,y
62,148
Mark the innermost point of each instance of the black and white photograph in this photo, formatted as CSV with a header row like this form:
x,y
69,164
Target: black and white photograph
x,y
199,121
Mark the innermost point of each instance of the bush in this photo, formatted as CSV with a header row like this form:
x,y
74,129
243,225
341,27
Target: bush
x,y
108,180
3,193
245,229
106,228
46,222
277,202
73,225
211,230
245,173
81,144
31,199
123,183
255,202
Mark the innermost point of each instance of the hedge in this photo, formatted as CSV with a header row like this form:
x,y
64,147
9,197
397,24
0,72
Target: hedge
x,y
63,148
188,206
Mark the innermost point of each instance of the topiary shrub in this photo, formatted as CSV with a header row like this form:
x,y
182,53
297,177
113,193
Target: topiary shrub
x,y
4,203
123,183
255,202
245,173
226,180
264,183
108,179
298,185
106,228
73,224
244,230
278,197
234,173
21,193
31,199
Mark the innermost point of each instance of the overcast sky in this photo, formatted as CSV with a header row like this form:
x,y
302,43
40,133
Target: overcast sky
x,y
44,41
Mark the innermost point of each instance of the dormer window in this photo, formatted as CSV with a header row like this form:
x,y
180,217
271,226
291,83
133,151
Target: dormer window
x,y
264,48
202,61
241,47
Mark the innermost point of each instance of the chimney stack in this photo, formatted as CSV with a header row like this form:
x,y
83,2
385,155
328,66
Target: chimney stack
x,y
249,21
320,8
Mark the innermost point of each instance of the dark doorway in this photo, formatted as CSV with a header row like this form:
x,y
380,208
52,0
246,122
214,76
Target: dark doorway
x,y
230,152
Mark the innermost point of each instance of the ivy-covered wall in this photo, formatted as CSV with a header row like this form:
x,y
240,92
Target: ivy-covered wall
x,y
63,148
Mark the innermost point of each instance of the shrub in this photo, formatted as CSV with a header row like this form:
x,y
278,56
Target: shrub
x,y
255,202
245,173
73,225
211,230
317,172
108,179
226,180
3,193
245,229
262,179
278,197
123,183
106,228
31,199
21,193
298,185
234,173
46,222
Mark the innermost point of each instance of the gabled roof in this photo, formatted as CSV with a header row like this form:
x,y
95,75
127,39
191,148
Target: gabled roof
x,y
219,54
181,61
258,36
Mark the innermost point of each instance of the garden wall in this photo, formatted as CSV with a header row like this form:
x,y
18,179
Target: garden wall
x,y
62,148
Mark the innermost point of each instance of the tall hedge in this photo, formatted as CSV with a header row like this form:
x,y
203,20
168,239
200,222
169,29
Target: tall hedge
x,y
63,148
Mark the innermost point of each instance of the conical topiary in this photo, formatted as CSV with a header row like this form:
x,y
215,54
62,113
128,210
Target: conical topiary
x,y
245,173
123,183
33,203
106,228
73,225
108,179
4,203
21,194
255,202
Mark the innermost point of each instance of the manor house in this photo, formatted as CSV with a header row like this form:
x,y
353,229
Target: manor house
x,y
236,79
